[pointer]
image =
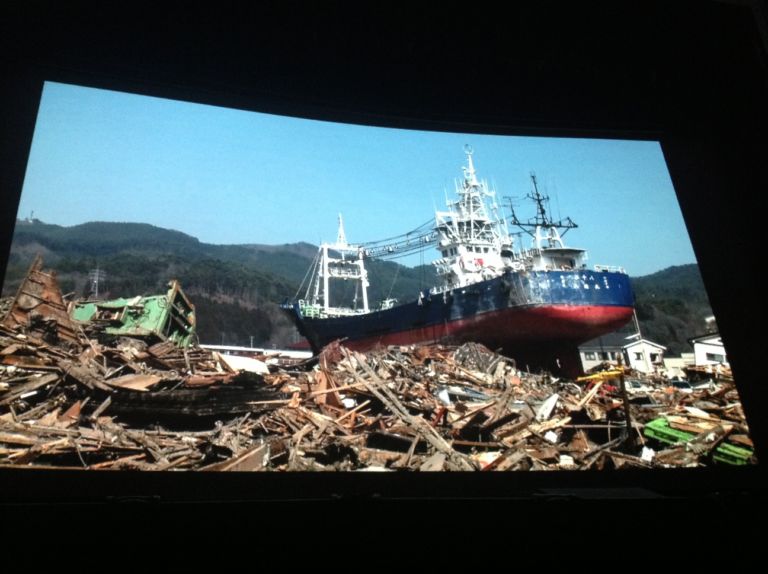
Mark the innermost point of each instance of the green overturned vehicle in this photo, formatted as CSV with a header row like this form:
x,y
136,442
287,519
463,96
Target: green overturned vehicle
x,y
155,318
725,452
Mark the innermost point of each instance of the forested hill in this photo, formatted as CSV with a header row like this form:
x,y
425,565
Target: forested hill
x,y
237,288
671,306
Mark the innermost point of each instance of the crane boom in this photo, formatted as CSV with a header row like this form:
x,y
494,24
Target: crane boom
x,y
400,246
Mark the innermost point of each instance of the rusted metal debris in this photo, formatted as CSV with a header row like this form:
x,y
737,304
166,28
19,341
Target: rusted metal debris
x,y
76,402
39,307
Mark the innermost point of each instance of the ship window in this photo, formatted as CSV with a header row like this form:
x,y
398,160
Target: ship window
x,y
589,356
638,356
716,357
485,250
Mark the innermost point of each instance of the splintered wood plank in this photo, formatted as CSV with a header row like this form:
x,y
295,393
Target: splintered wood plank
x,y
49,419
620,460
695,426
508,459
138,382
388,397
83,376
251,460
117,462
33,385
743,440
327,387
41,448
536,429
434,463
342,388
353,411
378,457
70,416
589,396
101,408
18,438
579,442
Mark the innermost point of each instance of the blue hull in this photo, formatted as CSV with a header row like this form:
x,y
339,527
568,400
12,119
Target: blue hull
x,y
515,309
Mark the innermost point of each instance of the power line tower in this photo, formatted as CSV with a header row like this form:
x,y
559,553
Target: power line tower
x,y
96,276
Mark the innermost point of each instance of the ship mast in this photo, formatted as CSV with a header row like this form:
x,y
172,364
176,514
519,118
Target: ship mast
x,y
473,245
350,265
543,229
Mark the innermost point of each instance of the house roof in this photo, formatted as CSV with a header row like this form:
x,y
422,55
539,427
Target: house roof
x,y
616,341
702,338
608,342
646,341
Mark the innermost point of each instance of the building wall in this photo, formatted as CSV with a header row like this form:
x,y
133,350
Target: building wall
x,y
674,366
709,353
590,359
641,357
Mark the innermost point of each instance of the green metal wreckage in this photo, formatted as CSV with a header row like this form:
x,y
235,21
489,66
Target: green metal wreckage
x,y
167,317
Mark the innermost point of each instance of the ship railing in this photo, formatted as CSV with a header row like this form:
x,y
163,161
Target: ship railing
x,y
342,311
343,273
444,289
610,268
310,311
319,312
529,253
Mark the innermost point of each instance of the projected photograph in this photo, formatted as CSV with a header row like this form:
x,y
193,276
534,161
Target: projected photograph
x,y
196,288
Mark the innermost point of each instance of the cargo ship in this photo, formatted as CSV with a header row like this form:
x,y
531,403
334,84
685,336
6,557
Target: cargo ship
x,y
535,303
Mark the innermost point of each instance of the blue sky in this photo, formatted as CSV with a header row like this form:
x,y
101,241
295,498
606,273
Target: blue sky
x,y
229,176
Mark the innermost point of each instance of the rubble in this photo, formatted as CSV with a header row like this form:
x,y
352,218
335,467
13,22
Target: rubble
x,y
167,317
67,400
39,307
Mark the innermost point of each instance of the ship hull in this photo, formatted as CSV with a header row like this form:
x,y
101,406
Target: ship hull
x,y
518,311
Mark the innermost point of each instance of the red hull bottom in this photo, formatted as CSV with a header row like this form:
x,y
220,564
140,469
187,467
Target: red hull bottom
x,y
540,336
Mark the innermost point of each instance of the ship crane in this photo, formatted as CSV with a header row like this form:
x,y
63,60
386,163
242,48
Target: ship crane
x,y
414,241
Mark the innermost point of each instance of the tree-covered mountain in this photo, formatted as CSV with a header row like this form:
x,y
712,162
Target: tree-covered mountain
x,y
671,306
237,288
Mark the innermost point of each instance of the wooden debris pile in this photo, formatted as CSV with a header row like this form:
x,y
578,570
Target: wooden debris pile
x,y
426,408
70,401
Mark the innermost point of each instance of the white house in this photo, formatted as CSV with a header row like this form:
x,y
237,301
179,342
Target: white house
x,y
644,355
709,350
675,366
604,348
640,354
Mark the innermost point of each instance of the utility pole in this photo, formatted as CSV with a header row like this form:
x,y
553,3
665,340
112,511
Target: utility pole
x,y
96,276
630,437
